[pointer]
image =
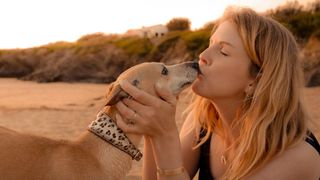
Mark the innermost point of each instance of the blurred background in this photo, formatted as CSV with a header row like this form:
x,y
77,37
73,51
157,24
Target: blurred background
x,y
58,57
93,41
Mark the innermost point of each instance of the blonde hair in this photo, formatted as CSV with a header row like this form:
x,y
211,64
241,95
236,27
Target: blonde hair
x,y
273,118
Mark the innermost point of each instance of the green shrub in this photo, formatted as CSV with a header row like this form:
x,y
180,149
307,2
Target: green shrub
x,y
299,20
96,39
169,40
179,24
135,46
197,41
58,46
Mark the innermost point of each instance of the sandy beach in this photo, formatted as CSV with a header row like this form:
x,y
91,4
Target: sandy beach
x,y
63,110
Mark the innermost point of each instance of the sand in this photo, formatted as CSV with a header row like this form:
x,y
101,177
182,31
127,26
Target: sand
x,y
64,110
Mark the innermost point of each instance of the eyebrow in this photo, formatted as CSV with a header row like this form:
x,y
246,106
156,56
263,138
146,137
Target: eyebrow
x,y
227,43
223,42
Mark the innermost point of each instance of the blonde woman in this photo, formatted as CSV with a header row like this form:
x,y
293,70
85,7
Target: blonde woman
x,y
246,120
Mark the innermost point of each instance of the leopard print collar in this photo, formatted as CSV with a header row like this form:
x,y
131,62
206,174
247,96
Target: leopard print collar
x,y
107,129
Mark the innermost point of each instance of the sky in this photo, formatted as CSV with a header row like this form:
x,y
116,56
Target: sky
x,y
29,23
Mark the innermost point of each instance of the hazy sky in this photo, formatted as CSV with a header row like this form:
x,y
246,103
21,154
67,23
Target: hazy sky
x,y
28,23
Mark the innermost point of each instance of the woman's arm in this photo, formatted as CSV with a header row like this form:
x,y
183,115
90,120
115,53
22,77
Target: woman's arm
x,y
190,156
149,167
168,156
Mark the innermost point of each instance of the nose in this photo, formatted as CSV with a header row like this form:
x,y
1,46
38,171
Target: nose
x,y
194,65
203,58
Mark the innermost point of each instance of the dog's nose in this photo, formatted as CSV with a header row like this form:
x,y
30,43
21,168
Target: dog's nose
x,y
195,65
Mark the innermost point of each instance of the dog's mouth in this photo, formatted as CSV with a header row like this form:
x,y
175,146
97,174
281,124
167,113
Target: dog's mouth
x,y
185,84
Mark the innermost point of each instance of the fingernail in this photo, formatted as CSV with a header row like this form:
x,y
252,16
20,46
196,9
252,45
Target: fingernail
x,y
121,82
117,117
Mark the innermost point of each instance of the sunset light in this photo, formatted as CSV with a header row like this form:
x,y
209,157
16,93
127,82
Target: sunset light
x,y
38,22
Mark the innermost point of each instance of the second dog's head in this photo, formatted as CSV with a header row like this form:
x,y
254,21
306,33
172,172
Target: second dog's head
x,y
145,76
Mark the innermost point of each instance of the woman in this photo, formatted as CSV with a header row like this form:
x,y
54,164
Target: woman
x,y
246,120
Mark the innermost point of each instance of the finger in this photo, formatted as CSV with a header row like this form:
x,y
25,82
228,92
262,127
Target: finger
x,y
165,94
136,93
121,120
127,128
118,118
134,105
124,111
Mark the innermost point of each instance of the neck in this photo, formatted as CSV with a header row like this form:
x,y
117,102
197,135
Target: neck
x,y
228,113
106,153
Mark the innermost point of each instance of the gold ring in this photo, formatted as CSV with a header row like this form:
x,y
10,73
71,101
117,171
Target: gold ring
x,y
130,122
134,115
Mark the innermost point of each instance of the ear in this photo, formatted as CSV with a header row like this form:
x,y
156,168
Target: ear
x,y
115,94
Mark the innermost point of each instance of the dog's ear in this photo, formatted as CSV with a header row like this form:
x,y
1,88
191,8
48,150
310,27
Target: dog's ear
x,y
115,94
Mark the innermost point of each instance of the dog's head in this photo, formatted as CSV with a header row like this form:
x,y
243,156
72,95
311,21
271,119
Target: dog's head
x,y
145,76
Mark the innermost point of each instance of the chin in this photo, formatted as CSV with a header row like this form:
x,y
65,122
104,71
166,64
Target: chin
x,y
195,88
200,90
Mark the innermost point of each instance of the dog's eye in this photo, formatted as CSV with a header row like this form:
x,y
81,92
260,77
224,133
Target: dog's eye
x,y
164,71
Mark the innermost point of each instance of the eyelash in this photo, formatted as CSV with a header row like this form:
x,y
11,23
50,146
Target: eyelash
x,y
224,54
221,52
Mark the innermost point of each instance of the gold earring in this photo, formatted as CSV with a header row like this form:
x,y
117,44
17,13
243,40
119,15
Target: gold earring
x,y
249,91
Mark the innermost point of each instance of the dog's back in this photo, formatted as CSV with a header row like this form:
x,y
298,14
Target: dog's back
x,y
43,158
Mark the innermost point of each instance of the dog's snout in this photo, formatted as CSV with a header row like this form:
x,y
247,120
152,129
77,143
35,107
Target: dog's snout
x,y
195,65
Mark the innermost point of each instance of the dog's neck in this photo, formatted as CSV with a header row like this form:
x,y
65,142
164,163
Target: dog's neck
x,y
106,128
98,147
134,138
104,153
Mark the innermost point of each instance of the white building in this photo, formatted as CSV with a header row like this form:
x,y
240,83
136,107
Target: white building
x,y
149,32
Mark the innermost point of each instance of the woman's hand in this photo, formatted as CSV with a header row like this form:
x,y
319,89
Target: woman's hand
x,y
146,114
155,118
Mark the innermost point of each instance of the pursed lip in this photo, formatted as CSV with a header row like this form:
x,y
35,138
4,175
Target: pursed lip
x,y
200,72
200,76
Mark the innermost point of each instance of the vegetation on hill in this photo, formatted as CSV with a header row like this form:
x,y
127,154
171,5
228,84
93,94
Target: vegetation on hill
x,y
179,24
100,58
302,21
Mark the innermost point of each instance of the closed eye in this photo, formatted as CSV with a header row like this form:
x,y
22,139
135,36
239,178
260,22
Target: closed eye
x,y
164,71
223,53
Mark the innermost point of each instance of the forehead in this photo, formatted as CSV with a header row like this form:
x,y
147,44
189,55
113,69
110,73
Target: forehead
x,y
144,70
227,32
149,67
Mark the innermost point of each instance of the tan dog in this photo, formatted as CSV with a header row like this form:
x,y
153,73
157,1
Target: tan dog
x,y
27,157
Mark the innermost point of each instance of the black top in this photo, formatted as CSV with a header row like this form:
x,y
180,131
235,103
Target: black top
x,y
204,161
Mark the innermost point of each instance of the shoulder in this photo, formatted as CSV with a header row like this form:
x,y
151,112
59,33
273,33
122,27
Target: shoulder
x,y
300,161
305,160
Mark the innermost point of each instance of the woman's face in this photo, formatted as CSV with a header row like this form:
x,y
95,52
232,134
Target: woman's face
x,y
224,66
